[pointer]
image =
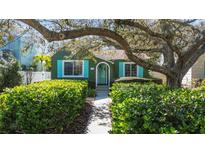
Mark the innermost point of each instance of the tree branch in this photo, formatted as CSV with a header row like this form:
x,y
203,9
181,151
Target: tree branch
x,y
111,42
148,65
187,23
186,55
193,58
49,35
72,34
150,50
151,33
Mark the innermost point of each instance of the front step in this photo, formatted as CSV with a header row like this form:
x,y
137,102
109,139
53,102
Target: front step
x,y
102,88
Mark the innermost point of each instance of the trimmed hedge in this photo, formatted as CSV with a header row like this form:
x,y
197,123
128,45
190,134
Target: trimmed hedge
x,y
44,107
152,108
137,79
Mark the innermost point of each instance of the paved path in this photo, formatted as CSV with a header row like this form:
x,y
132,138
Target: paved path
x,y
100,121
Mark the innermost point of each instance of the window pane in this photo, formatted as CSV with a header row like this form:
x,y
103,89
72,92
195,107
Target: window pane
x,y
127,69
78,68
134,70
68,68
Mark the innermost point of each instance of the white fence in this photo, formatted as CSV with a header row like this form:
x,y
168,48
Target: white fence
x,y
30,77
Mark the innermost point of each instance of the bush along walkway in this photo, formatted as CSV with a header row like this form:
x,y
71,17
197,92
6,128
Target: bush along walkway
x,y
100,120
31,108
157,109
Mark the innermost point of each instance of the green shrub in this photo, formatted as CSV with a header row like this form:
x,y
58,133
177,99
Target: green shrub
x,y
139,80
9,75
151,108
91,92
121,91
44,107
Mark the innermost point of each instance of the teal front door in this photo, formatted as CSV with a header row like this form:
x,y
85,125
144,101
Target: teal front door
x,y
102,74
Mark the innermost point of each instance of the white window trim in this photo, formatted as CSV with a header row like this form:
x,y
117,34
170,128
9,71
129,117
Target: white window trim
x,y
124,68
72,76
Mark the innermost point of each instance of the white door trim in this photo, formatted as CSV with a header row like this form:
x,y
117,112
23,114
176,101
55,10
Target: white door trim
x,y
96,73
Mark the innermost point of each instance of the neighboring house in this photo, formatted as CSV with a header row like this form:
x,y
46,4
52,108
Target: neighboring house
x,y
22,49
196,72
103,69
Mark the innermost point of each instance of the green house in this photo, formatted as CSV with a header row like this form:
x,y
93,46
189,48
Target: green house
x,y
103,69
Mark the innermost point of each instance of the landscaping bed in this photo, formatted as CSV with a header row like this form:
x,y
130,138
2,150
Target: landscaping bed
x,y
153,108
44,107
79,125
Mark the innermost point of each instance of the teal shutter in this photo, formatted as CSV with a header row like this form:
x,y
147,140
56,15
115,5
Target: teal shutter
x,y
59,69
121,69
86,68
140,71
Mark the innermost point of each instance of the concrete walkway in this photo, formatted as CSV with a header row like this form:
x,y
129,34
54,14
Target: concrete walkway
x,y
100,121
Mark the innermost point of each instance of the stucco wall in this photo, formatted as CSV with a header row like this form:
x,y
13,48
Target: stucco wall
x,y
187,79
198,70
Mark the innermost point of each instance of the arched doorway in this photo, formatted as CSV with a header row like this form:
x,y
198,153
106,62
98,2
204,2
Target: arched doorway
x,y
102,74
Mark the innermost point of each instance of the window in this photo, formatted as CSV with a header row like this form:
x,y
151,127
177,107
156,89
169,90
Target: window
x,y
130,69
73,68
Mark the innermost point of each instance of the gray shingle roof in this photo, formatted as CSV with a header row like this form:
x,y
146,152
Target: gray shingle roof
x,y
111,54
116,55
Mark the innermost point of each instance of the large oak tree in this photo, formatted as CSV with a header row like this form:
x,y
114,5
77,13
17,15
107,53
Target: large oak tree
x,y
177,43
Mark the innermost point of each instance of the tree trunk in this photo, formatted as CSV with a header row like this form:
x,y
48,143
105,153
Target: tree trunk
x,y
174,82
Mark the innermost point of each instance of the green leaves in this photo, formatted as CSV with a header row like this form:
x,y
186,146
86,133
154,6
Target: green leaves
x,y
40,58
44,107
9,75
152,108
